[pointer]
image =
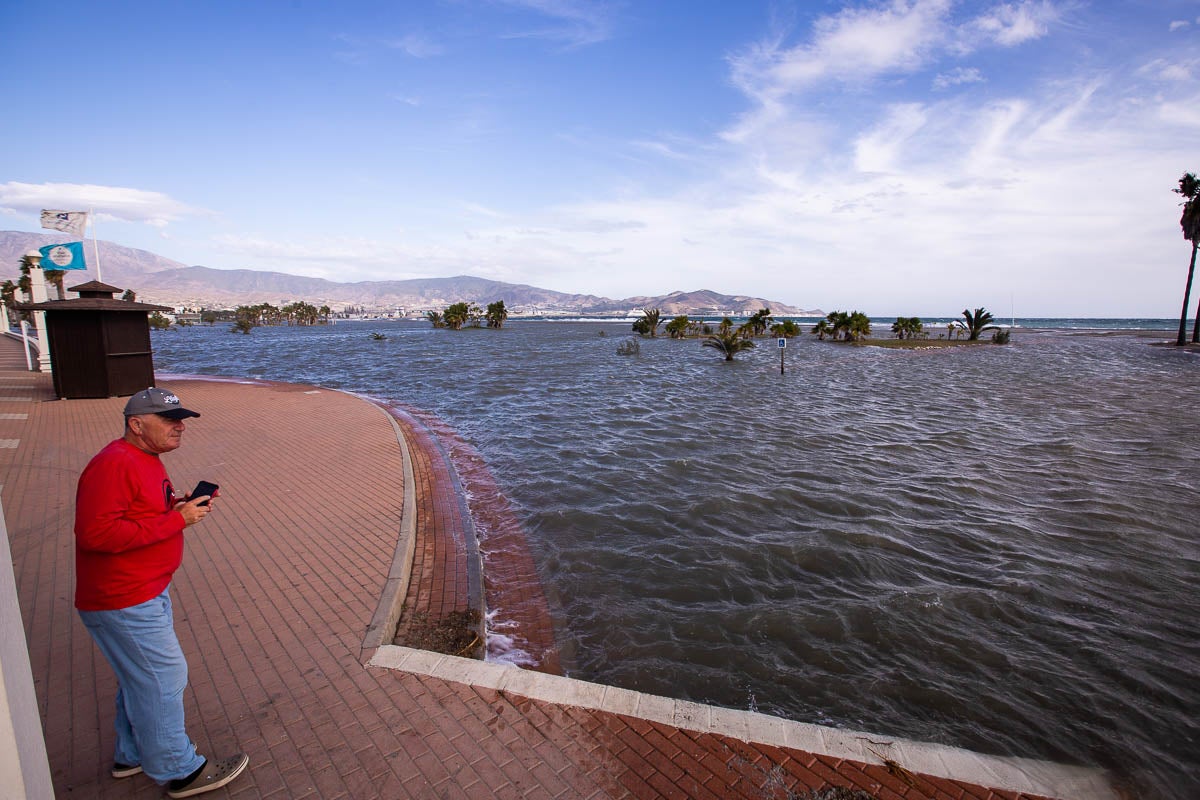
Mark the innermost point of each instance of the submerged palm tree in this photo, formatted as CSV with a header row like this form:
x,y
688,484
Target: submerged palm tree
x,y
839,323
786,328
678,327
496,314
1189,187
758,322
729,342
648,324
858,326
976,323
456,315
907,327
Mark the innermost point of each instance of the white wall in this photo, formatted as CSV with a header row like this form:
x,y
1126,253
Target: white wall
x,y
24,769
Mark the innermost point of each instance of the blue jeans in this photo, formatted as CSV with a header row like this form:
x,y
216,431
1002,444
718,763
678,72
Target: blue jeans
x,y
140,645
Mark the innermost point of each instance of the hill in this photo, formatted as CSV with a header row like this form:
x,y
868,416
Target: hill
x,y
160,280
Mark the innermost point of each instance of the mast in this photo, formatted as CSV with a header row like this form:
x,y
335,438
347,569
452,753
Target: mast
x,y
95,243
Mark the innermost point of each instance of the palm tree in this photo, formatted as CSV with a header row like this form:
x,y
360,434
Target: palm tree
x,y
324,311
907,327
268,314
304,313
246,319
25,283
456,315
8,291
785,328
858,326
55,276
823,329
1189,187
496,314
648,324
435,317
678,327
976,323
839,323
758,322
728,341
130,295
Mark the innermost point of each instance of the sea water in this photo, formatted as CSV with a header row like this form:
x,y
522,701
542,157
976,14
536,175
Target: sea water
x,y
991,547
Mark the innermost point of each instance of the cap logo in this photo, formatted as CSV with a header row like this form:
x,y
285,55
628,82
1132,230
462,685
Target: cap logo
x,y
170,398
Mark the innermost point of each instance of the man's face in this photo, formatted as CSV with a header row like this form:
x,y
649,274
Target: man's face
x,y
154,433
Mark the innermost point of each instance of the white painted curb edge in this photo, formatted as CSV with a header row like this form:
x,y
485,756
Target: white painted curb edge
x,y
1026,775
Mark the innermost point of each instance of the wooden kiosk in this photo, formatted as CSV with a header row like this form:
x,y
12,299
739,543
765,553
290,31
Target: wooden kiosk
x,y
99,346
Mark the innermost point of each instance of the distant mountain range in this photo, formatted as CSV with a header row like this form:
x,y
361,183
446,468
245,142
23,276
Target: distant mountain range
x,y
160,280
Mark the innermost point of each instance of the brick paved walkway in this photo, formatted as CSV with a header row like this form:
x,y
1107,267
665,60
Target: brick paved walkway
x,y
274,602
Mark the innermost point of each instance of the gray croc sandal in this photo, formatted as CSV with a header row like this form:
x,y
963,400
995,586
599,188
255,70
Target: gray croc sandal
x,y
213,775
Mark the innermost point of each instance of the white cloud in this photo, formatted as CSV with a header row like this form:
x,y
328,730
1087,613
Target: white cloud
x,y
876,151
1011,24
485,211
325,257
1058,196
1183,112
109,202
575,23
417,46
1178,24
956,77
854,45
1170,71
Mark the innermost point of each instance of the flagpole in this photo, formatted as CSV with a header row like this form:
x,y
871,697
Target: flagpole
x,y
95,243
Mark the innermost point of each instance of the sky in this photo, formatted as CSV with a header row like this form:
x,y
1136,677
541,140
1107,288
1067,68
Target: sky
x,y
914,157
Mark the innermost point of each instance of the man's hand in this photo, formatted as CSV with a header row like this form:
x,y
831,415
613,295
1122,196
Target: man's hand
x,y
192,511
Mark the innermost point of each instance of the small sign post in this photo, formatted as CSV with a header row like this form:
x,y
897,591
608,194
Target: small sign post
x,y
782,345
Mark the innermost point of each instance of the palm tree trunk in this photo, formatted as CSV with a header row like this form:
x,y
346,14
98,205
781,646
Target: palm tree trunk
x,y
1187,293
1196,327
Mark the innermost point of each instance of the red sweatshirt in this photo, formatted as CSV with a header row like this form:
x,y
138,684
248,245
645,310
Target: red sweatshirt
x,y
128,537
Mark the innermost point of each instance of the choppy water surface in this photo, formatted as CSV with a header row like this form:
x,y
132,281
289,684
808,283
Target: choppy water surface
x,y
991,547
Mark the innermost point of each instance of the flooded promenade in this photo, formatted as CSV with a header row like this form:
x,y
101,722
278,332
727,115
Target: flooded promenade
x,y
278,591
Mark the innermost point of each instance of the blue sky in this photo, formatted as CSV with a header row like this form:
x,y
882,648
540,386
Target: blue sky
x,y
894,157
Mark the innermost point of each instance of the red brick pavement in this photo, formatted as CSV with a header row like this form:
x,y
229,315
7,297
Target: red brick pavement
x,y
520,627
445,570
277,589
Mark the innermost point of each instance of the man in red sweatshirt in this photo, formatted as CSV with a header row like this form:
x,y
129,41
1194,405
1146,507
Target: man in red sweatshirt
x,y
129,527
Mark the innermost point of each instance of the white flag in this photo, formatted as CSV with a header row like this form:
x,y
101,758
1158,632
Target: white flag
x,y
72,222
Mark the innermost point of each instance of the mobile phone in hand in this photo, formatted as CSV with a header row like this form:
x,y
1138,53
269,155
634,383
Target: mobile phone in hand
x,y
204,488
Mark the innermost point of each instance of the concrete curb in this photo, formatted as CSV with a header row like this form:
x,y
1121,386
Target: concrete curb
x,y
382,627
1022,775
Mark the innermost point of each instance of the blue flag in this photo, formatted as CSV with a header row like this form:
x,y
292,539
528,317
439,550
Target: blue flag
x,y
63,256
